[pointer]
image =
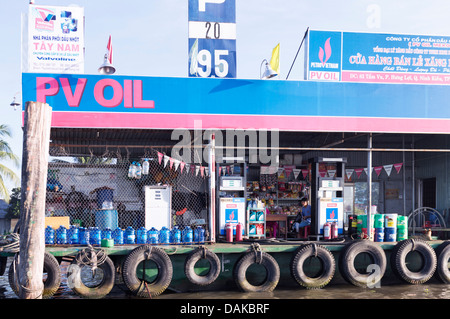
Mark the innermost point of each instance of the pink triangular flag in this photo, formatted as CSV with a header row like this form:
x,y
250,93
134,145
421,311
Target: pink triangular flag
x,y
358,172
378,170
398,167
160,157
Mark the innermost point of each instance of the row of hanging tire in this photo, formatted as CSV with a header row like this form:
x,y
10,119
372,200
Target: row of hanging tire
x,y
434,261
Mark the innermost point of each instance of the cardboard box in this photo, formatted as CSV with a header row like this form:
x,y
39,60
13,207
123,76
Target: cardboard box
x,y
57,221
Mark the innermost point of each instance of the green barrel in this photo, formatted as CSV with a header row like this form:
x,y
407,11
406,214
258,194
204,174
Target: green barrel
x,y
359,222
378,220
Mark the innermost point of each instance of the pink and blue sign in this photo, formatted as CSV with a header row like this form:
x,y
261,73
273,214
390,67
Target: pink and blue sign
x,y
378,58
99,101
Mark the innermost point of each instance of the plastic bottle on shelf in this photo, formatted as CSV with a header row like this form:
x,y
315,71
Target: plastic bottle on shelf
x,y
145,167
138,174
130,237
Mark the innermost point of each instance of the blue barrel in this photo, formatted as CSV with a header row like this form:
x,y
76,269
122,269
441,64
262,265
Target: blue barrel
x,y
390,234
187,235
73,237
130,237
153,236
175,235
118,236
106,218
199,235
107,233
164,235
61,235
95,236
141,237
83,236
49,235
379,234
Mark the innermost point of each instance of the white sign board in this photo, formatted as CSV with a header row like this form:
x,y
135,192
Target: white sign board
x,y
55,40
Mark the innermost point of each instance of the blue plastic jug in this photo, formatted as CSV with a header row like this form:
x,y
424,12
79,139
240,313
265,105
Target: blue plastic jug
x,y
141,235
61,235
130,237
153,236
164,235
118,236
175,235
199,235
83,236
49,235
187,235
73,235
107,233
95,236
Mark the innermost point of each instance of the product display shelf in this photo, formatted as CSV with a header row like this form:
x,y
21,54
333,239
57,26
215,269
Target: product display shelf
x,y
256,222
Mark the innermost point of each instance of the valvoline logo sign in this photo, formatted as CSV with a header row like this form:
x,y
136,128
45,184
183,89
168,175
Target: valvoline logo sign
x,y
324,55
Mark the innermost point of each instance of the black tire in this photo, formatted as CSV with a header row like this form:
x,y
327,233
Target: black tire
x,y
193,258
140,287
328,264
266,260
398,261
443,260
97,291
51,283
347,267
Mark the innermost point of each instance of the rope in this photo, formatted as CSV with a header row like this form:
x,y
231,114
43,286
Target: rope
x,y
258,253
91,258
11,243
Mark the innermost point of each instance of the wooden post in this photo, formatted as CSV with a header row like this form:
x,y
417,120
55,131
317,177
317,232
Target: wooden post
x,y
36,139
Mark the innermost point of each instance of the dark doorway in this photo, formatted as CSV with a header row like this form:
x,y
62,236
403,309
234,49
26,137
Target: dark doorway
x,y
429,192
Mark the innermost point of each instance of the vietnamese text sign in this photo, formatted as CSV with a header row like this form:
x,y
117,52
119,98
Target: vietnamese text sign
x,y
55,39
379,58
212,38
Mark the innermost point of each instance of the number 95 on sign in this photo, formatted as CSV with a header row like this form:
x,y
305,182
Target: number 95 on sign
x,y
212,58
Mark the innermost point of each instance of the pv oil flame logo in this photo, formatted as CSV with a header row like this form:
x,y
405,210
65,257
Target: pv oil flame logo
x,y
327,52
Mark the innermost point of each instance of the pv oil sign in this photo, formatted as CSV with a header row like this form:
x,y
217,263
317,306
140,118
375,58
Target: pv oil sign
x,y
212,38
324,56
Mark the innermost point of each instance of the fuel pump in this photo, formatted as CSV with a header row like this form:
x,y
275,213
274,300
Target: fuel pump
x,y
327,193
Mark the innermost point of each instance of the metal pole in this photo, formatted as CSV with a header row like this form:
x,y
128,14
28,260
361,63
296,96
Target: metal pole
x,y
212,188
404,178
369,186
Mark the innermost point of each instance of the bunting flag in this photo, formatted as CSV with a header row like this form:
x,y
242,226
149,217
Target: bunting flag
x,y
166,159
378,170
366,171
358,172
197,169
202,171
177,163
171,161
388,169
296,172
398,167
304,173
160,157
349,173
331,173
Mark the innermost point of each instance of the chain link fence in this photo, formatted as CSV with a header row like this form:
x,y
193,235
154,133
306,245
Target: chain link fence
x,y
114,191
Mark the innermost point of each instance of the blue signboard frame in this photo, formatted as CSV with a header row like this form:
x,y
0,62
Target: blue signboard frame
x,y
211,55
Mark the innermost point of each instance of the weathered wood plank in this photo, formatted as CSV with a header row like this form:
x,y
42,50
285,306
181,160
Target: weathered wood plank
x,y
36,139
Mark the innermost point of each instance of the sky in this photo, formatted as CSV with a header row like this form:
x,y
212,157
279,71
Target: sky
x,y
150,37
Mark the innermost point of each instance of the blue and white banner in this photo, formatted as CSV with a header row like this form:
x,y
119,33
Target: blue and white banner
x,y
212,38
378,58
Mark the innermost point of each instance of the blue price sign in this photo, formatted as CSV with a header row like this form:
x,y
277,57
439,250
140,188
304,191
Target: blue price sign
x,y
212,38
